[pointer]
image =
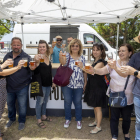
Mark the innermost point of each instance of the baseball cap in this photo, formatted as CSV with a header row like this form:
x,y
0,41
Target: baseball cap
x,y
58,37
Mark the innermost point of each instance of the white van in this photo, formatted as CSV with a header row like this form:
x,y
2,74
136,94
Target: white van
x,y
34,32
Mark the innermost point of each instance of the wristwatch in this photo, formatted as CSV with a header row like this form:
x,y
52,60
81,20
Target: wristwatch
x,y
1,69
136,73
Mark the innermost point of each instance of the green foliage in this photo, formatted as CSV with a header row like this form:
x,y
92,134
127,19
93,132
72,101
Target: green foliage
x,y
127,31
5,27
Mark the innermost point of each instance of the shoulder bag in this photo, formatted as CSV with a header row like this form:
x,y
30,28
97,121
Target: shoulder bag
x,y
118,99
63,75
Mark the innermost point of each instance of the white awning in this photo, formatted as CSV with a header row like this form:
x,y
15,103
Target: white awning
x,y
69,11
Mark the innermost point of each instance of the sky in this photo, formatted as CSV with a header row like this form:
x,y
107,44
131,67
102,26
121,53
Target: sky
x,y
7,37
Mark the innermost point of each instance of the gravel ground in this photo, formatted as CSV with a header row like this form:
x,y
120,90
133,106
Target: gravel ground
x,y
56,131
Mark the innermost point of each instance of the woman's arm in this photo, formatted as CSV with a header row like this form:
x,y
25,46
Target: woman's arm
x,y
112,65
6,72
62,59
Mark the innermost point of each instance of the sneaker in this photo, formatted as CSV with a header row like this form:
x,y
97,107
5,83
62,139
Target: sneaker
x,y
21,126
9,123
67,123
79,125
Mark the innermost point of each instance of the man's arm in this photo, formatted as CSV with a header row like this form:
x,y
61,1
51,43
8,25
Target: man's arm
x,y
51,48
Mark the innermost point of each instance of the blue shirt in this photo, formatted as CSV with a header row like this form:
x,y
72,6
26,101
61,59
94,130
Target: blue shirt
x,y
20,78
77,77
55,54
135,63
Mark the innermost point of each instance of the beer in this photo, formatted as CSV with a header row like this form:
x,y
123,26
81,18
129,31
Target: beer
x,y
87,66
25,63
32,63
54,40
10,65
63,54
42,60
11,62
76,63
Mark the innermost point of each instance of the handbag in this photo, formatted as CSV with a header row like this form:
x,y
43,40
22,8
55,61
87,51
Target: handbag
x,y
118,99
63,75
36,86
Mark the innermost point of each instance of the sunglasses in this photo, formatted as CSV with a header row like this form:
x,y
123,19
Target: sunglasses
x,y
59,39
75,46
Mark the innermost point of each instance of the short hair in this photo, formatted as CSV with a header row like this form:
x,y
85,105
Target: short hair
x,y
70,37
101,47
16,38
129,47
75,40
47,46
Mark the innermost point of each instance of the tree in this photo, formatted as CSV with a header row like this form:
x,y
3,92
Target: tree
x,y
127,31
6,26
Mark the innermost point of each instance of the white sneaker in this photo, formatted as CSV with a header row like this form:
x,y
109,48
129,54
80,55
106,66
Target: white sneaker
x,y
79,125
67,123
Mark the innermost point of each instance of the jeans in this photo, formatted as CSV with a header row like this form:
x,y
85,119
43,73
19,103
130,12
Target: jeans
x,y
42,102
75,96
21,96
115,115
137,113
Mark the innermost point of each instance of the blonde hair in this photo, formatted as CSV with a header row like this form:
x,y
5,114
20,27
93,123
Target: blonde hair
x,y
77,41
47,46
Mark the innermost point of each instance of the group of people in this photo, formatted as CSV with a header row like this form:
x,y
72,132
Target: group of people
x,y
14,83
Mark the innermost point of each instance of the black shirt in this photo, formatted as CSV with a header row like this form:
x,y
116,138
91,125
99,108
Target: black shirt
x,y
22,77
46,74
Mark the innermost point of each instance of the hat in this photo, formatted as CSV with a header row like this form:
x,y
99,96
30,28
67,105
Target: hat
x,y
58,37
137,38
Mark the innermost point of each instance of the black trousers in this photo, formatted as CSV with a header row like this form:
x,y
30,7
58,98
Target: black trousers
x,y
115,115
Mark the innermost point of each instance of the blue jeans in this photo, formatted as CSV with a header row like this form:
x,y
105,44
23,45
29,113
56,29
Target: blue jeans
x,y
137,113
75,96
21,96
42,102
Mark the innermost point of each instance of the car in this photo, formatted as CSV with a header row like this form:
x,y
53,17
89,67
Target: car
x,y
4,50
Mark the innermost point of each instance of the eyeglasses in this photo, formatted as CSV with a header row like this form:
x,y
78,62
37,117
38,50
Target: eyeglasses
x,y
75,46
59,39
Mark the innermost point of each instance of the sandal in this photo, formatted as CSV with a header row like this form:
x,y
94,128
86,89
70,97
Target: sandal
x,y
41,125
96,130
47,119
92,124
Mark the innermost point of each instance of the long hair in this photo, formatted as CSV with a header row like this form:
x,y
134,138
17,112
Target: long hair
x,y
99,46
47,46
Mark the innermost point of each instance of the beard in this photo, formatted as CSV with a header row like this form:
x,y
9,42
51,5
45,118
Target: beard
x,y
16,50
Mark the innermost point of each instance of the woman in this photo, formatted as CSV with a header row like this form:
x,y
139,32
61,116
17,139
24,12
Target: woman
x,y
45,70
95,93
3,92
117,84
74,90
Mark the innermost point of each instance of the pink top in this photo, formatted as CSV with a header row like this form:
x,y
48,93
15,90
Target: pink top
x,y
117,83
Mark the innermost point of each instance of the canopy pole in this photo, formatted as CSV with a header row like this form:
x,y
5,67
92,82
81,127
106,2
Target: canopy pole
x,y
22,35
117,40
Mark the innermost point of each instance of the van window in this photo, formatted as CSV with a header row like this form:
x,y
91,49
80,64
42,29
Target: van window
x,y
88,38
91,38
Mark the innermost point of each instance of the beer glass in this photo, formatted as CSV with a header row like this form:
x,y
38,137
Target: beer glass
x,y
64,42
41,58
77,61
32,62
11,62
54,40
25,62
87,65
63,52
110,55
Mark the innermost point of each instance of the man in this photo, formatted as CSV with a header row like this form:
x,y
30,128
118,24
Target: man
x,y
69,39
17,85
55,49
